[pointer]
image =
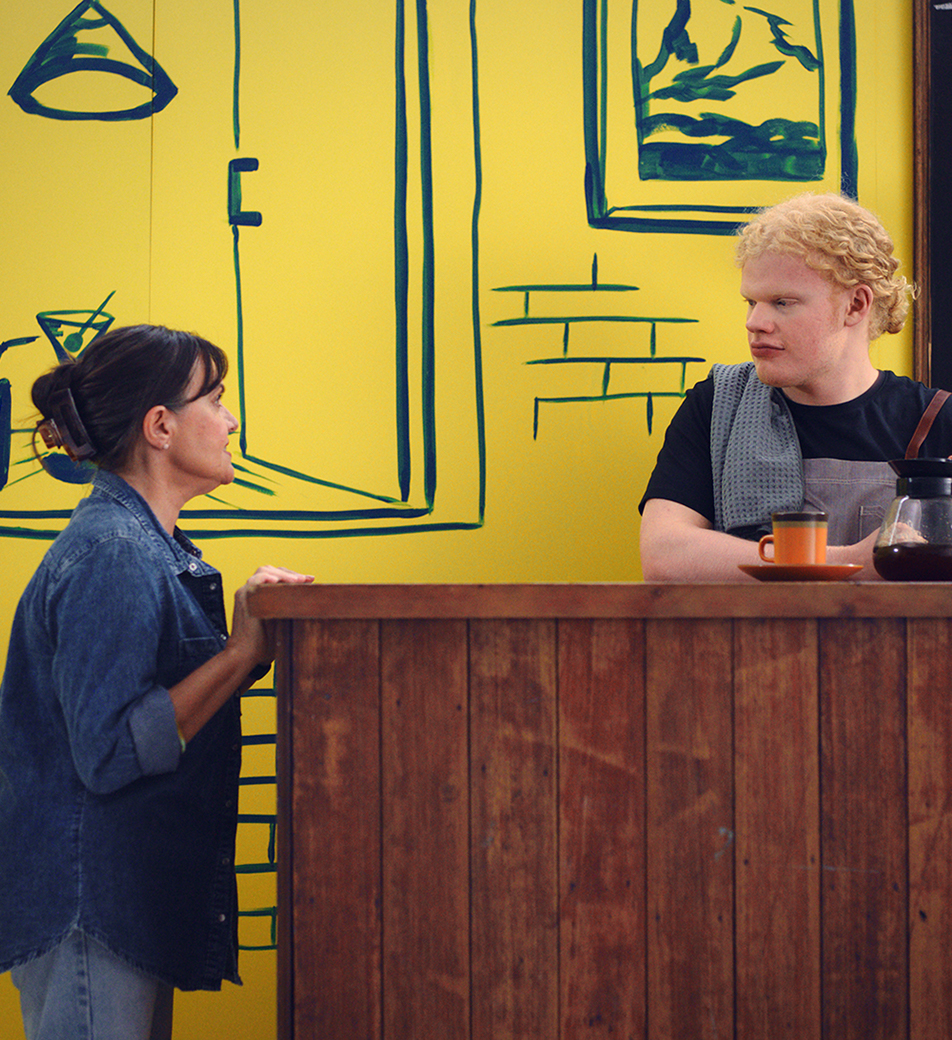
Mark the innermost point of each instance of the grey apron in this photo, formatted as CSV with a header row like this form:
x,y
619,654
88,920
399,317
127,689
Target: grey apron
x,y
857,494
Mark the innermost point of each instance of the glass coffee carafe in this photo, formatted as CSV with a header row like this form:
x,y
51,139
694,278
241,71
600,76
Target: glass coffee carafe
x,y
915,541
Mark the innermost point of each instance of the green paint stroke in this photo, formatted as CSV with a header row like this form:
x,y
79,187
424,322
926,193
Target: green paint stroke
x,y
320,534
401,256
474,285
22,341
5,413
236,78
429,255
848,149
592,317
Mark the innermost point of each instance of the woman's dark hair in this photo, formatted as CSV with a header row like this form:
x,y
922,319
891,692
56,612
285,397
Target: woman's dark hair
x,y
94,406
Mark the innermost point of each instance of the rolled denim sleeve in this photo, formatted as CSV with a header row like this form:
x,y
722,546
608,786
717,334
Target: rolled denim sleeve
x,y
155,733
105,613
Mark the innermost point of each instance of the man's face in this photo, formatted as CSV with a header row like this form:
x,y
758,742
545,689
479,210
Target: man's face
x,y
796,327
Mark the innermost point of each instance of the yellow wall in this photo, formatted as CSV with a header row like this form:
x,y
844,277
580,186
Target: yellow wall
x,y
138,208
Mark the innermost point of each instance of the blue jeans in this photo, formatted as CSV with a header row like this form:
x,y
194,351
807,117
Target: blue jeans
x,y
81,991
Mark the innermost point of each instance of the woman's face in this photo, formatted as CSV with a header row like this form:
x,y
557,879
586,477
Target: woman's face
x,y
198,446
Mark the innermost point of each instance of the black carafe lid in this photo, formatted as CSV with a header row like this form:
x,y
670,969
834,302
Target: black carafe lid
x,y
923,478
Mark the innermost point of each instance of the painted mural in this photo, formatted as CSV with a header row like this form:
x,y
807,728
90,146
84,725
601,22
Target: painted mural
x,y
691,74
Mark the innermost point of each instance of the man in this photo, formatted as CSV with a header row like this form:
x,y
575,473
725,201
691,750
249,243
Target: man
x,y
808,423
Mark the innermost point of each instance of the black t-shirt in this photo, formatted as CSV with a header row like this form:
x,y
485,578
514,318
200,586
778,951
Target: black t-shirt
x,y
874,427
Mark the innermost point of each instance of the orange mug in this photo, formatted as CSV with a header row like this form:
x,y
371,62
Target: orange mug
x,y
798,539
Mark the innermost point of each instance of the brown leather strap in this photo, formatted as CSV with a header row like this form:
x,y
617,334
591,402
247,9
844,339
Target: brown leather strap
x,y
925,423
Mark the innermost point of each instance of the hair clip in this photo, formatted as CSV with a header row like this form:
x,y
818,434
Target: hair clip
x,y
64,428
49,431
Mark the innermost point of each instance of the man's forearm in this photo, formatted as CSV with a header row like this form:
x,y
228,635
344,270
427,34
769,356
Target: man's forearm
x,y
696,555
678,544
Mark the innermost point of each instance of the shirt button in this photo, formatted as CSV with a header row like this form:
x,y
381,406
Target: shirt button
x,y
221,918
213,586
193,566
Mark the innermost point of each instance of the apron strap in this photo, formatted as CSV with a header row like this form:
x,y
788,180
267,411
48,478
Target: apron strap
x,y
925,423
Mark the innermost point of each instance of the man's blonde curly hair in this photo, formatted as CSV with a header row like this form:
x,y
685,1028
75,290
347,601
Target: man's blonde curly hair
x,y
843,242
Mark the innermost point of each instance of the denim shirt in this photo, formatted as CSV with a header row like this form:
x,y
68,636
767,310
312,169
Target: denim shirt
x,y
106,824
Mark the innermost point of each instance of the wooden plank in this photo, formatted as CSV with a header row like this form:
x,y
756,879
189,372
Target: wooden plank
x,y
690,829
513,845
426,829
777,814
930,830
714,600
283,634
864,829
602,829
336,805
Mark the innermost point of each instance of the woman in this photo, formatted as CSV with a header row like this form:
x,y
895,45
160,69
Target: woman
x,y
119,729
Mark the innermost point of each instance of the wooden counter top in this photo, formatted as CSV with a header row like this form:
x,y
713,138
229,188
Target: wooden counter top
x,y
631,600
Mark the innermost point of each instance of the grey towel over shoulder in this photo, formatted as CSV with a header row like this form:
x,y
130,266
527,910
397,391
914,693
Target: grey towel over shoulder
x,y
755,452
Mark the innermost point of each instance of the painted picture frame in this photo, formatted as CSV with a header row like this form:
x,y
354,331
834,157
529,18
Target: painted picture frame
x,y
732,100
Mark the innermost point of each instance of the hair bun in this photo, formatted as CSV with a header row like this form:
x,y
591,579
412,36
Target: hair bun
x,y
50,383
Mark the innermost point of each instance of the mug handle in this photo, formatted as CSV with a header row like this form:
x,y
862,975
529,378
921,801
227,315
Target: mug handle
x,y
766,540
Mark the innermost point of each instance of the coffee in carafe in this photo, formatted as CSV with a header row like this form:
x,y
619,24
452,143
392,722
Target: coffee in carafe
x,y
915,540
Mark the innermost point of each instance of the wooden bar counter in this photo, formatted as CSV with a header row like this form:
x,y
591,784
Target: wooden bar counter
x,y
637,812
